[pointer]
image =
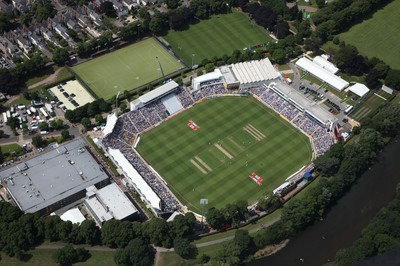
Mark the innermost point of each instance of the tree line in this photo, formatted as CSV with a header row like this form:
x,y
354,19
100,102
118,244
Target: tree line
x,y
380,236
375,71
83,113
21,232
340,15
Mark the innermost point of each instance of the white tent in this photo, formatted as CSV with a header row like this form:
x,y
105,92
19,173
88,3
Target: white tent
x,y
319,72
359,89
325,64
111,121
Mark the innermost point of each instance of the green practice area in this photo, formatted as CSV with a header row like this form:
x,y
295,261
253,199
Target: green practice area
x,y
235,137
127,68
216,36
378,36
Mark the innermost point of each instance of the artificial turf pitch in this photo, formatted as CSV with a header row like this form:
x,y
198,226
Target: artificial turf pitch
x,y
220,35
237,136
126,68
378,36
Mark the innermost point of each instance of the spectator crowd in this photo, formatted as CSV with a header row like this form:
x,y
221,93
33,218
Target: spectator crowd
x,y
140,120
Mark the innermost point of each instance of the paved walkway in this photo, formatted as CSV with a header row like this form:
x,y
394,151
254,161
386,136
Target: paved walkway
x,y
58,246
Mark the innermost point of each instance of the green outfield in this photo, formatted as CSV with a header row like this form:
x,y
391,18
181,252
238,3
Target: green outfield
x,y
216,36
126,68
378,36
236,137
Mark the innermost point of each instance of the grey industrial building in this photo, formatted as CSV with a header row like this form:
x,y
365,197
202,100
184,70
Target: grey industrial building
x,y
54,178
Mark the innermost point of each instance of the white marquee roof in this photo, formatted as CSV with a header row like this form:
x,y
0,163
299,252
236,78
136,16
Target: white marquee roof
x,y
73,215
136,178
322,62
359,89
254,71
111,121
322,74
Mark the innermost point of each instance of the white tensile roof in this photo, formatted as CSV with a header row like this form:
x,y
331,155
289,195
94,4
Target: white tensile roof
x,y
325,64
136,178
359,89
316,70
73,215
111,121
254,71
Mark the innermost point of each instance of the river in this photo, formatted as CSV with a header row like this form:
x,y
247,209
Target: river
x,y
318,244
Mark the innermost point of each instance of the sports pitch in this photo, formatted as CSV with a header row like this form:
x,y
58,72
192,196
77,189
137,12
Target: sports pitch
x,y
216,36
236,137
378,36
126,68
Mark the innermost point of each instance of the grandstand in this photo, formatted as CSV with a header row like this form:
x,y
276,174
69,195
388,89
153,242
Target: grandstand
x,y
322,73
249,74
153,95
303,114
304,104
211,78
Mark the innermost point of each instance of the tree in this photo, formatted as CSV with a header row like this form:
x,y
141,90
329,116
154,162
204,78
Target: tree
x,y
137,252
60,56
209,67
393,79
65,134
13,122
215,218
200,8
68,255
229,254
245,243
123,107
157,231
268,201
5,22
99,119
86,122
183,248
158,23
89,232
43,10
44,126
282,30
172,4
8,82
107,8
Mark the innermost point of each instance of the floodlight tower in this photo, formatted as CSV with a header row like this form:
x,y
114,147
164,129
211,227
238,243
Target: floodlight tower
x,y
162,72
116,102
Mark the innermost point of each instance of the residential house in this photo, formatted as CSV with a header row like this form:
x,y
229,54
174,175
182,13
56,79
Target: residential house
x,y
120,8
24,45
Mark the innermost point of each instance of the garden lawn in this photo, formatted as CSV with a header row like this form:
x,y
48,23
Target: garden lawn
x,y
378,36
216,36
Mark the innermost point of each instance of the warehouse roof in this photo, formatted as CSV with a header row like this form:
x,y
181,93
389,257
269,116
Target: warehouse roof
x,y
52,176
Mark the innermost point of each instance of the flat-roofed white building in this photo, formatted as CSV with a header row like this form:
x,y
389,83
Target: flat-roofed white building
x,y
321,73
108,203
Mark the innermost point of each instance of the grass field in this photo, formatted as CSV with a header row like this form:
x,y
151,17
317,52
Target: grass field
x,y
127,68
216,36
370,105
378,36
237,136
